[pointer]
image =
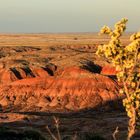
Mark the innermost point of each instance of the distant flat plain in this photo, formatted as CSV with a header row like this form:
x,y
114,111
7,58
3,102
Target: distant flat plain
x,y
55,39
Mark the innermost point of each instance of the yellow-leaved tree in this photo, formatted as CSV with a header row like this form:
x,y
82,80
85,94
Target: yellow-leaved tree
x,y
126,60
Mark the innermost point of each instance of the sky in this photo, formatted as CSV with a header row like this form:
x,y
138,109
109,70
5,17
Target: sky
x,y
54,16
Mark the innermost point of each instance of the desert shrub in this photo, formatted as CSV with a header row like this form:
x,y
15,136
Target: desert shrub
x,y
75,38
126,59
76,136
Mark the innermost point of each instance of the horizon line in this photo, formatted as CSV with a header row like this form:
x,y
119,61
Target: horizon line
x,y
59,32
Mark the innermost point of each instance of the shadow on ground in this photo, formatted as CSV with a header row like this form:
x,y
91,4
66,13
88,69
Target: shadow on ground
x,y
87,124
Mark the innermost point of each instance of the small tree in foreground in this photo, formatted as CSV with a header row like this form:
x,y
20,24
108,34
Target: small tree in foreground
x,y
126,60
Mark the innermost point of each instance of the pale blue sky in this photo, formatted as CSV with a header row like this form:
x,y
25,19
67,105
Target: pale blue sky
x,y
21,16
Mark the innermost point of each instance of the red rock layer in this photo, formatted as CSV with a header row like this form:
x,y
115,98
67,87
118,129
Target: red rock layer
x,y
108,70
72,89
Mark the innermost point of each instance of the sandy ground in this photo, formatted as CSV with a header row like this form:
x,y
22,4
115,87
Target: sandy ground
x,y
63,50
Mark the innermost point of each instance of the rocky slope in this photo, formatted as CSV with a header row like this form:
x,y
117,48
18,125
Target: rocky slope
x,y
59,75
56,77
49,89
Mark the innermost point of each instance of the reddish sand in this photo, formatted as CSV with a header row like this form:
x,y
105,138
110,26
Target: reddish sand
x,y
44,74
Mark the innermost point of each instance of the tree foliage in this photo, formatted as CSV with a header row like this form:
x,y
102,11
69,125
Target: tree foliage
x,y
126,59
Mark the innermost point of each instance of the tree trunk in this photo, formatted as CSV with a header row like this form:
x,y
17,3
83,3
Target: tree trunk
x,y
132,124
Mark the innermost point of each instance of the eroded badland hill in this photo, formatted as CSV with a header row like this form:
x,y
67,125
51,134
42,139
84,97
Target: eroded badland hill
x,y
45,75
